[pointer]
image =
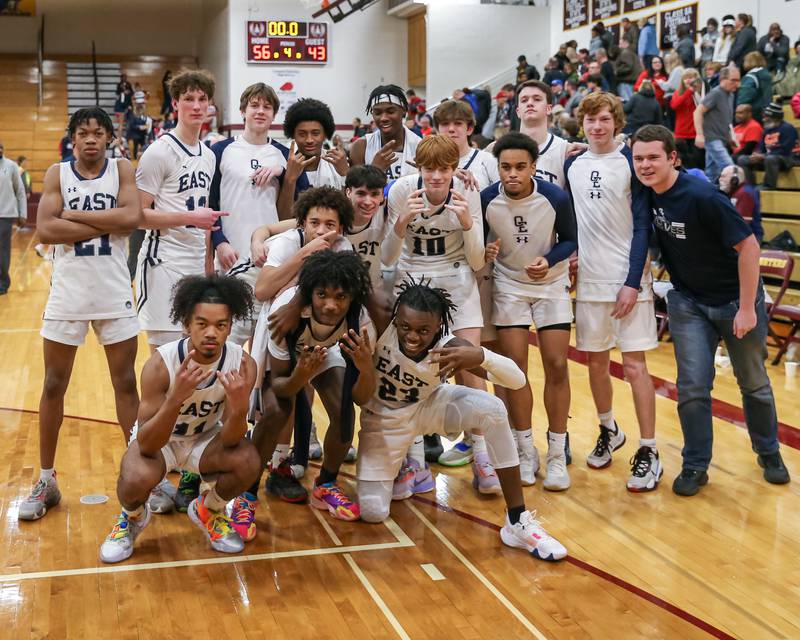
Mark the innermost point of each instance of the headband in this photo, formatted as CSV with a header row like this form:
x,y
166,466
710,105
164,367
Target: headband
x,y
385,97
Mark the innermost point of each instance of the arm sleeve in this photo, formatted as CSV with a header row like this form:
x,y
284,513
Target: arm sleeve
x,y
473,238
218,237
642,226
213,196
566,231
502,370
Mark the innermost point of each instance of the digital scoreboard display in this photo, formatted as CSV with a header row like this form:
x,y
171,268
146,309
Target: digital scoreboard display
x,y
286,42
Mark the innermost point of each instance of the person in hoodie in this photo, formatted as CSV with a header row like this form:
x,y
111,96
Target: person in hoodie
x,y
642,108
777,151
756,87
775,48
745,40
685,46
789,85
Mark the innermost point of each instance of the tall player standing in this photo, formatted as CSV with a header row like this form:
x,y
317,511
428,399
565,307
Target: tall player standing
x,y
89,206
615,292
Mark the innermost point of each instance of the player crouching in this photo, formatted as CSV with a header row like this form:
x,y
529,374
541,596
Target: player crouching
x,y
413,357
192,416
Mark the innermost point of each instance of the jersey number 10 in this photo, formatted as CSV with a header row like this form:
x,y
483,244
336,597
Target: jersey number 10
x,y
431,247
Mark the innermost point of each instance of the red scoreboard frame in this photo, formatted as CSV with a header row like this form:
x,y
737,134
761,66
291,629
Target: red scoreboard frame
x,y
287,42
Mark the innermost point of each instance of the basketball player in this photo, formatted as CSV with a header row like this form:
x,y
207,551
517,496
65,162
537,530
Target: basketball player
x,y
364,185
246,185
393,145
615,292
413,356
195,392
89,206
532,222
437,232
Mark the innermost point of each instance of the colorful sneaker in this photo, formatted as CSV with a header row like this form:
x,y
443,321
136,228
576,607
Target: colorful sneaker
x,y
314,446
282,483
459,455
528,467
188,490
529,534
433,447
45,495
423,478
216,525
242,513
646,470
484,477
162,497
607,443
557,476
351,455
118,546
404,482
329,496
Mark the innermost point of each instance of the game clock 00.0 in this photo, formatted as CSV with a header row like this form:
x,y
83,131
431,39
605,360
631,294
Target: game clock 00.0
x,y
287,42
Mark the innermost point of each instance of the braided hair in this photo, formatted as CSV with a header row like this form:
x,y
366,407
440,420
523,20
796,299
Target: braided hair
x,y
420,296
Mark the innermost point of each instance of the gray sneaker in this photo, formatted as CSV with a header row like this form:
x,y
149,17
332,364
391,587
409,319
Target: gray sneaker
x,y
162,497
351,455
44,496
118,546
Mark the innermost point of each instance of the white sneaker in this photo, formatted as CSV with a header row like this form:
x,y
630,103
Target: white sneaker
x,y
607,443
314,447
528,467
646,470
162,497
529,534
557,477
118,546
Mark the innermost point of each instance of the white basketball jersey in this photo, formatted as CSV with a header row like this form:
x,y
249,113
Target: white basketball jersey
x,y
367,243
399,167
483,166
90,279
325,175
552,156
203,409
179,179
401,381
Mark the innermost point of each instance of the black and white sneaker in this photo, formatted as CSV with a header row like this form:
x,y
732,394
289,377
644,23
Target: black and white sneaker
x,y
646,470
607,443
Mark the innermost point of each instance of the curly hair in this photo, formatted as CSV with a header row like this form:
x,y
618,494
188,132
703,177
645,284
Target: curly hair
x,y
343,270
324,198
83,116
390,89
516,140
420,296
308,110
193,290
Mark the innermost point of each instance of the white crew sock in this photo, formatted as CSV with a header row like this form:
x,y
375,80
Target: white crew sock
x,y
648,442
279,455
417,451
524,440
47,474
556,442
607,420
213,502
478,444
134,514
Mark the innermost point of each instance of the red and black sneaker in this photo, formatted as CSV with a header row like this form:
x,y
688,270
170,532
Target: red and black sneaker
x,y
282,483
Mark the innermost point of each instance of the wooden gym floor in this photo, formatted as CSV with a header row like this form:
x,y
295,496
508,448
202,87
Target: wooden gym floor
x,y
722,564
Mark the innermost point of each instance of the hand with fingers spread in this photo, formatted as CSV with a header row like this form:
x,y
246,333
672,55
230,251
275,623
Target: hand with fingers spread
x,y
258,253
468,178
458,205
537,269
357,348
309,362
338,158
415,205
262,176
204,218
187,378
296,163
626,299
451,360
492,251
285,319
386,156
226,255
237,391
320,243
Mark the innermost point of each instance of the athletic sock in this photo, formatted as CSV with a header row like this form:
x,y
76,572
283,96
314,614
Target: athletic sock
x,y
524,440
279,455
47,474
134,513
417,451
325,476
607,420
648,442
556,441
252,493
514,513
213,502
478,444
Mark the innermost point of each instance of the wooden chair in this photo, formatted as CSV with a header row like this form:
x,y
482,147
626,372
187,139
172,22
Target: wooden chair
x,y
779,264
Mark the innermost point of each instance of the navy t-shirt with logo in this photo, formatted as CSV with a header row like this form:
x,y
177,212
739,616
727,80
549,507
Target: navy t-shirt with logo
x,y
697,227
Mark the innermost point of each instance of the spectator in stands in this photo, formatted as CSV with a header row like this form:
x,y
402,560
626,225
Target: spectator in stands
x,y
170,121
13,206
138,128
648,41
711,79
683,103
116,149
359,130
748,132
594,70
525,71
561,56
425,125
627,69
776,151
570,72
733,183
413,125
595,83
722,47
122,104
745,40
413,102
553,72
642,109
685,46
756,87
572,51
570,129
166,103
582,64
559,95
674,69
574,97
606,36
139,96
502,121
654,73
65,146
789,84
25,176
775,48
630,30
596,42
708,41
606,69
712,122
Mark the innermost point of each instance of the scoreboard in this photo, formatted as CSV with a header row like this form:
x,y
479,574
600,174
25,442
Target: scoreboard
x,y
287,42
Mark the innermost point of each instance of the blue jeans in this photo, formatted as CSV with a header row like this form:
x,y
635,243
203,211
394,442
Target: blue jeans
x,y
625,91
696,330
717,158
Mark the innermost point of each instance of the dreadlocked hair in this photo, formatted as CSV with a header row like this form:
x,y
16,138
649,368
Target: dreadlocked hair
x,y
343,270
391,89
190,291
308,110
420,296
